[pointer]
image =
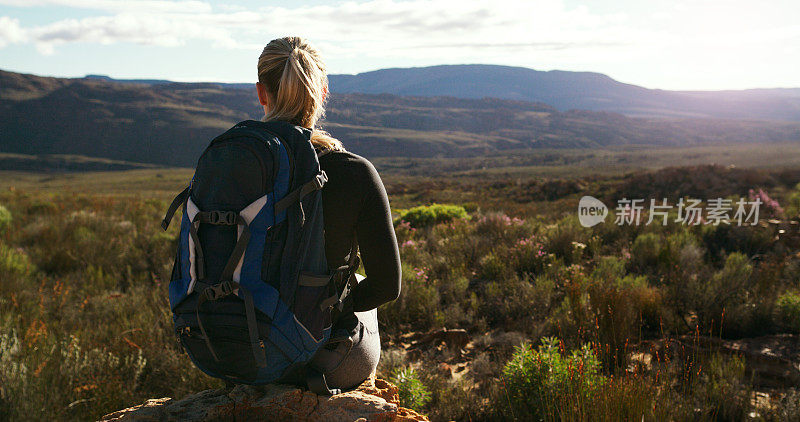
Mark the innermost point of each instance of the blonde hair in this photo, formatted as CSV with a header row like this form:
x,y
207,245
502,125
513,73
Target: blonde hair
x,y
296,80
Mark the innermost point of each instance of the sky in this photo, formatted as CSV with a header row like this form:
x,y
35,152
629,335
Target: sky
x,y
667,44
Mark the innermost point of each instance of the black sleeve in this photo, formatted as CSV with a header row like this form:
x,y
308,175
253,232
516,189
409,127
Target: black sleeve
x,y
378,247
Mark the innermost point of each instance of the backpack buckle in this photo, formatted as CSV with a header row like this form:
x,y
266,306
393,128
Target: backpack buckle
x,y
225,218
219,291
225,288
320,180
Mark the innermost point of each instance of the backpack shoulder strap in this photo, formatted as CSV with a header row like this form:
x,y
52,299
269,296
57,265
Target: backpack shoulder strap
x,y
314,184
321,152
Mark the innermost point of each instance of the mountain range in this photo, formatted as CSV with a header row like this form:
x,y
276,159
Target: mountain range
x,y
572,90
563,90
167,123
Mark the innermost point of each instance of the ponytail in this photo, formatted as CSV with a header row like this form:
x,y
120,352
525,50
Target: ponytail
x,y
296,80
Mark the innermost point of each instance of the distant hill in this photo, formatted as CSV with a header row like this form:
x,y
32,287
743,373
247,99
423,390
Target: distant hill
x,y
572,90
170,123
563,90
64,163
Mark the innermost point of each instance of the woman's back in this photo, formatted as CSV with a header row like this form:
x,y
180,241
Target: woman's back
x,y
355,203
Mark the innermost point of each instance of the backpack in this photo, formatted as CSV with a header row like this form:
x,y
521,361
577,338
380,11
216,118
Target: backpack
x,y
251,293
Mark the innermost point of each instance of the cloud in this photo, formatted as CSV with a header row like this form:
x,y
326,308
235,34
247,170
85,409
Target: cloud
x,y
670,36
521,45
130,28
376,25
10,31
145,6
392,28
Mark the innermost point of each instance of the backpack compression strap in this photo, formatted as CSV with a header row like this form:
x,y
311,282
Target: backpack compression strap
x,y
227,286
353,262
315,380
179,199
344,276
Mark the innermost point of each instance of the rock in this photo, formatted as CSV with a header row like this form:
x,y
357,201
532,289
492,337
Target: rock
x,y
456,338
374,400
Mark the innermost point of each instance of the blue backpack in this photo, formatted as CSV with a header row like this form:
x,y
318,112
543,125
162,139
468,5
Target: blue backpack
x,y
251,292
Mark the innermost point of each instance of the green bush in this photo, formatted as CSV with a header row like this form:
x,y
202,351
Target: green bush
x,y
645,251
567,240
16,270
413,393
530,255
545,383
427,215
723,239
419,303
723,390
5,220
494,268
622,307
788,309
793,207
724,296
13,262
515,302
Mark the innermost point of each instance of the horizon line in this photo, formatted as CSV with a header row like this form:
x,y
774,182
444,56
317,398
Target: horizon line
x,y
231,82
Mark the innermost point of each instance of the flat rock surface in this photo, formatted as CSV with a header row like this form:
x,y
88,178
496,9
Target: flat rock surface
x,y
374,400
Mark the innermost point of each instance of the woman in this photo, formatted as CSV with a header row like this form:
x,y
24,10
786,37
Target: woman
x,y
292,86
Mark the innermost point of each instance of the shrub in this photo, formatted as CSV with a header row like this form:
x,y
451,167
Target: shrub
x,y
724,239
15,269
13,262
499,227
403,231
621,306
516,303
427,215
793,209
725,293
645,252
723,388
413,393
494,268
545,383
788,309
5,220
530,256
418,304
391,361
42,207
567,240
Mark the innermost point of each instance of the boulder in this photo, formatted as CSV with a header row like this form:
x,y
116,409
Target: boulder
x,y
374,400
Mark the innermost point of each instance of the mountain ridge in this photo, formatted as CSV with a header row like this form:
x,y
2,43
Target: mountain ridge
x,y
564,90
169,124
